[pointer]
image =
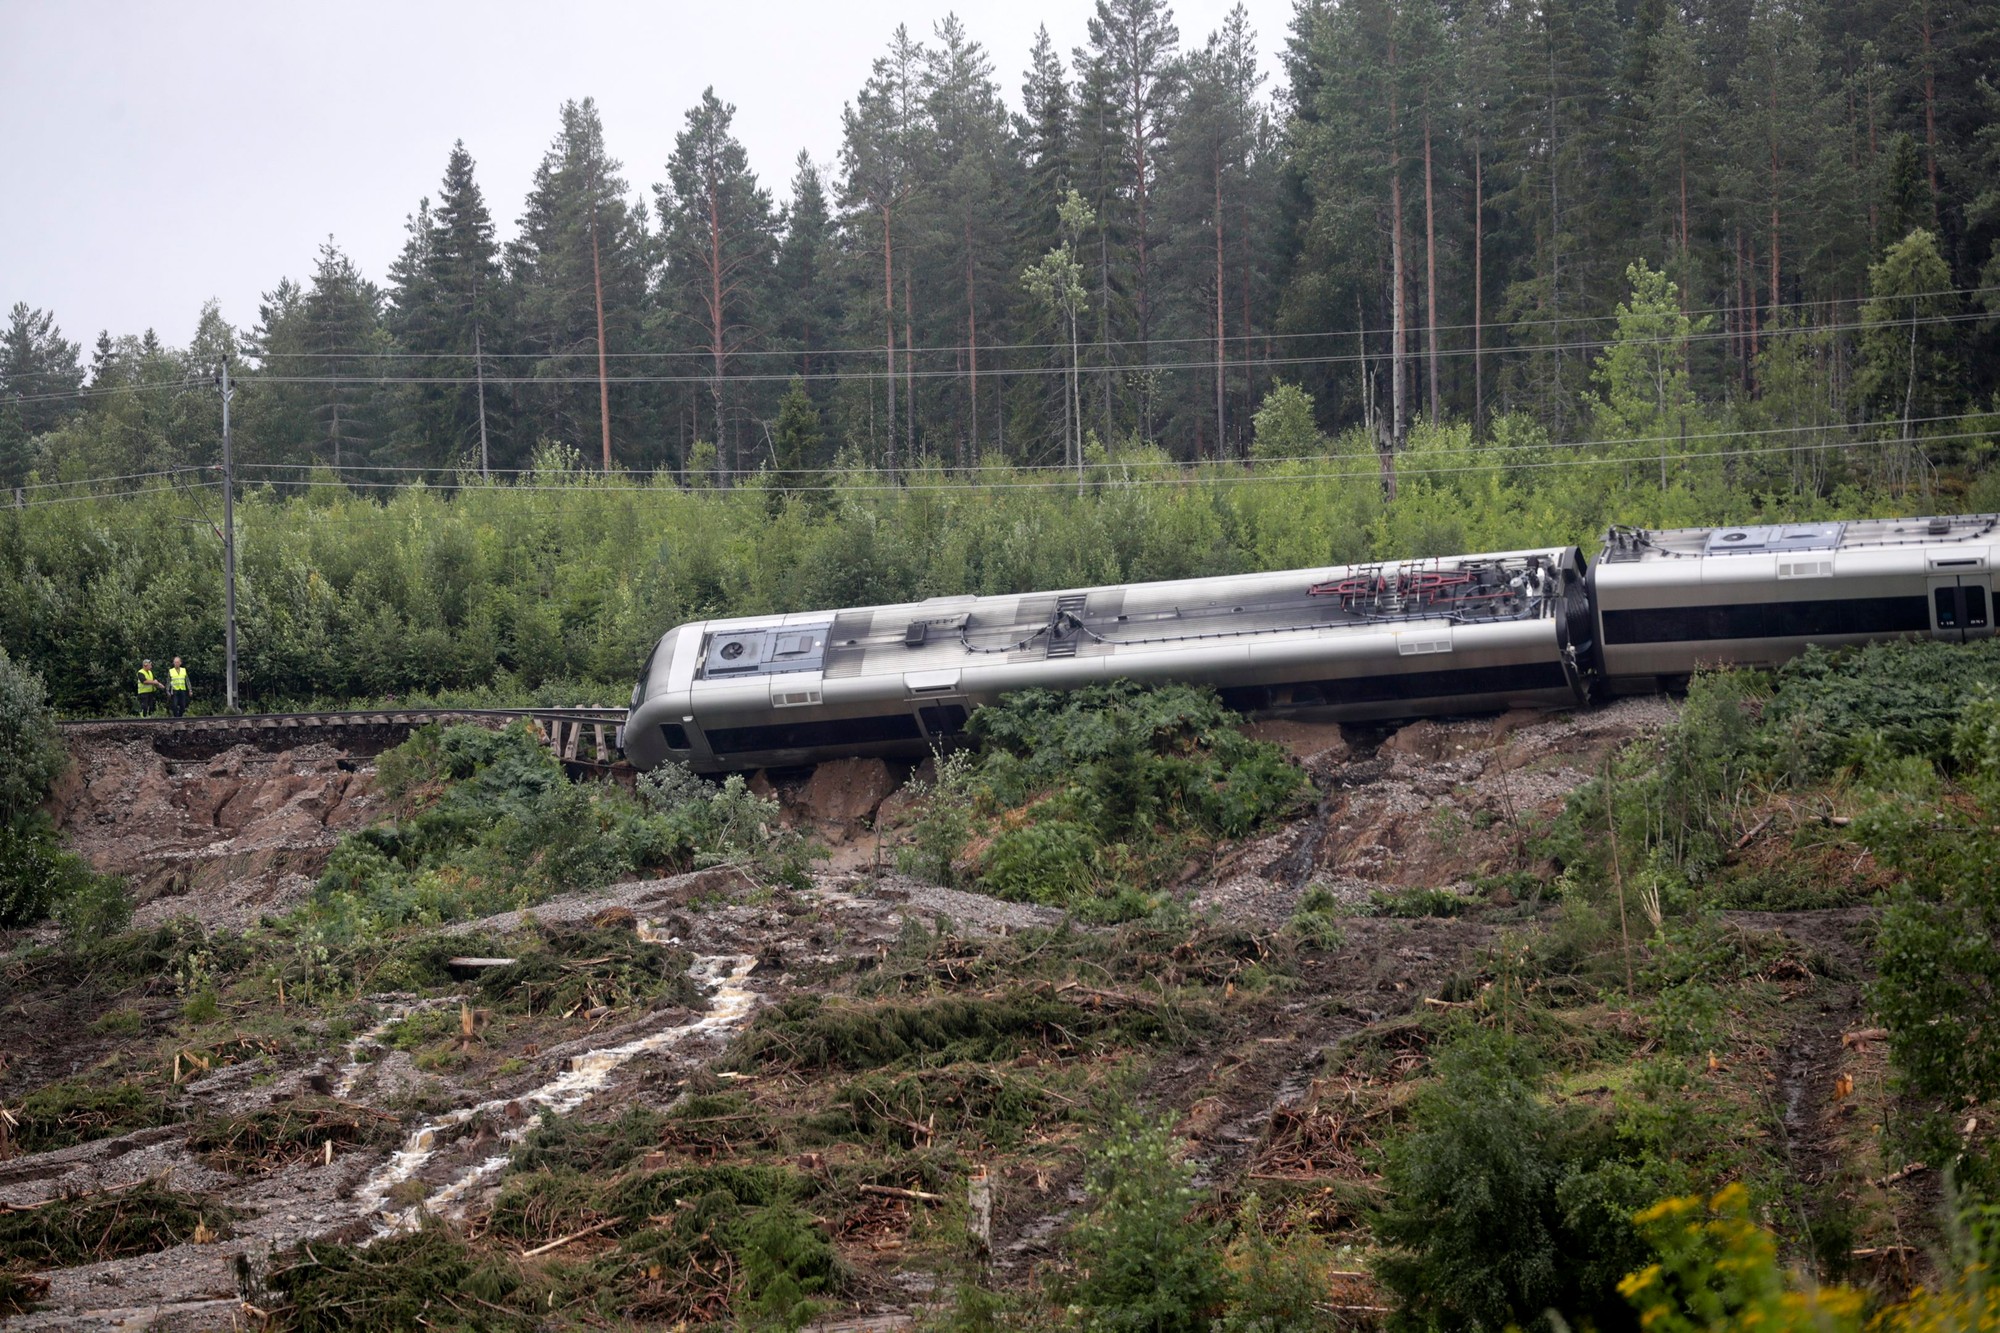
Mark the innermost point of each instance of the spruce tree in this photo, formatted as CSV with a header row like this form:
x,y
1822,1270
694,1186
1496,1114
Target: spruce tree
x,y
807,279
40,376
446,298
720,240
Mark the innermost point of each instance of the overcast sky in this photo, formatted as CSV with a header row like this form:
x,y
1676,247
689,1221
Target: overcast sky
x,y
155,155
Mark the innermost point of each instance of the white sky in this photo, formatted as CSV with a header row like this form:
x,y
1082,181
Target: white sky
x,y
155,155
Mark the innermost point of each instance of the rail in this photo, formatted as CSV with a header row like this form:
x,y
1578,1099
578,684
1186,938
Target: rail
x,y
583,737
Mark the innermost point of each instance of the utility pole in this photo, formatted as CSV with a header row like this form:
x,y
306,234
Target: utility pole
x,y
479,369
603,384
228,547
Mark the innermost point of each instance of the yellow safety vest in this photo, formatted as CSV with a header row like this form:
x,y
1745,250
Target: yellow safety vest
x,y
148,682
177,677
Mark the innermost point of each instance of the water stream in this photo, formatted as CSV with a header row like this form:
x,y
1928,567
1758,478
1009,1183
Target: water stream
x,y
729,1003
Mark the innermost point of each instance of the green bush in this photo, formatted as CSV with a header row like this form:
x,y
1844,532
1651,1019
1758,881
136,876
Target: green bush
x,y
1090,799
32,755
1503,1207
38,877
1938,983
1142,1259
1829,708
491,822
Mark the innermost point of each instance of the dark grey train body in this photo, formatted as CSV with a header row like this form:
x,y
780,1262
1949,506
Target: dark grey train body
x,y
1397,639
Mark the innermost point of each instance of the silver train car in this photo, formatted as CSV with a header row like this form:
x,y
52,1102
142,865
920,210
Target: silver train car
x,y
1358,642
1398,639
1668,602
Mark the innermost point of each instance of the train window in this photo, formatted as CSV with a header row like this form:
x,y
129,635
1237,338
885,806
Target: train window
x,y
1814,618
1947,608
1975,606
676,736
815,734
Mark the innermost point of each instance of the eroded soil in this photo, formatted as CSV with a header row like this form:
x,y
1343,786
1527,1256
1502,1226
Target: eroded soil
x,y
1281,1065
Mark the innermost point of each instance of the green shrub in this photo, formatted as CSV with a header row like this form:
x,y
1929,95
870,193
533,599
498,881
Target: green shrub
x,y
38,877
1830,707
491,822
1938,982
32,755
1091,799
95,908
1142,1260
429,1278
810,1032
1315,921
1415,902
1502,1207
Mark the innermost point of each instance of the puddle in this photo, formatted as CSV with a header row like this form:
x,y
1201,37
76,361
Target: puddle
x,y
729,1003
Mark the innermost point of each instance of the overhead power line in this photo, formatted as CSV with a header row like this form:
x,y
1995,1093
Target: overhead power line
x,y
1002,371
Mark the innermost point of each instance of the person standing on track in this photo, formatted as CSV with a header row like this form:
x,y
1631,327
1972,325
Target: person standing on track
x,y
177,682
149,688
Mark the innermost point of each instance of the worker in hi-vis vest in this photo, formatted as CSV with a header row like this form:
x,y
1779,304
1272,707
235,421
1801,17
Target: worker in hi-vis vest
x,y
149,688
177,683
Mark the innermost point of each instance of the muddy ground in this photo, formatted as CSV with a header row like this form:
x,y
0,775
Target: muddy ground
x,y
1257,1089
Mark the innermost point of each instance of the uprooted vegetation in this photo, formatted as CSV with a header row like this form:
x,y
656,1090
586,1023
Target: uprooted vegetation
x,y
1096,799
1461,1101
487,821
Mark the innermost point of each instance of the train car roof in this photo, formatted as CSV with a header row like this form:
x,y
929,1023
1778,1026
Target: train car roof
x,y
1627,545
947,632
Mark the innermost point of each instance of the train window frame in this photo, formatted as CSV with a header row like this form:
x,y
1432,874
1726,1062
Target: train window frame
x,y
1944,601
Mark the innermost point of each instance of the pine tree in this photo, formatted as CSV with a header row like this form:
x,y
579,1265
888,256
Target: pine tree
x,y
720,233
796,439
972,150
879,156
1134,50
579,266
341,341
1910,375
1046,132
1209,158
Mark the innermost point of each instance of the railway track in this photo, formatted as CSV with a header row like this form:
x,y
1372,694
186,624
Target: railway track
x,y
584,738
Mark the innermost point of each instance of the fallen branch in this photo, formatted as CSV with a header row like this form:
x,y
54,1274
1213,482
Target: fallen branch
x,y
561,1241
1451,1004
891,1192
1903,1173
1751,836
1856,1040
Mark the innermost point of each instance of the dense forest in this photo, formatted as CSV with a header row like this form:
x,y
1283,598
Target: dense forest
x,y
1444,213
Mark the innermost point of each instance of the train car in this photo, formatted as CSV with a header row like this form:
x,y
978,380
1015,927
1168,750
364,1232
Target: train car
x,y
1670,601
1395,639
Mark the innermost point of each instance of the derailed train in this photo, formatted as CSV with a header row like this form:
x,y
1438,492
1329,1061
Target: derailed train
x,y
1394,639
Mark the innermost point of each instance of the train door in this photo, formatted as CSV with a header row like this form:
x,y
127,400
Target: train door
x,y
1961,607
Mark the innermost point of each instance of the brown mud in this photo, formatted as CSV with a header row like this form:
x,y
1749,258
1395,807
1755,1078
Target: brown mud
x,y
1286,1088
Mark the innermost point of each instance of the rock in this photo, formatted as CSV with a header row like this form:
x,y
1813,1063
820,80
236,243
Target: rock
x,y
1422,742
1321,748
762,787
846,793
